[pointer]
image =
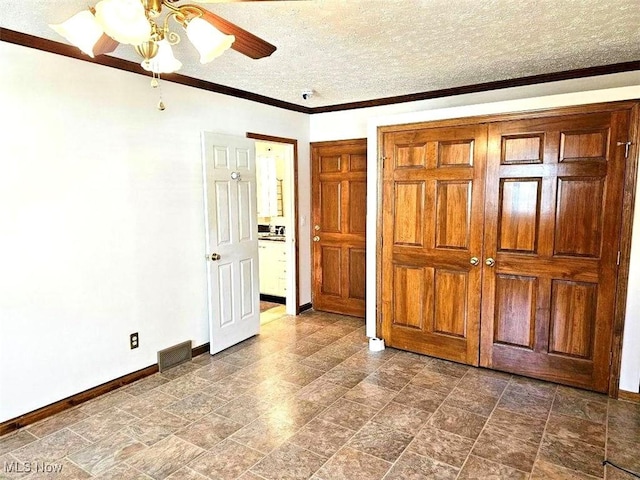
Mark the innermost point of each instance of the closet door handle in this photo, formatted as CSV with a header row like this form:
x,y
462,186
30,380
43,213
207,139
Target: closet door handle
x,y
474,261
490,262
316,238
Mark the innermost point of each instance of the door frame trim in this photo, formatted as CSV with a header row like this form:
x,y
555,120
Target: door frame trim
x,y
628,203
294,143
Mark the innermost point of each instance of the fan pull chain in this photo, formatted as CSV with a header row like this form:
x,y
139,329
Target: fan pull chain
x,y
155,83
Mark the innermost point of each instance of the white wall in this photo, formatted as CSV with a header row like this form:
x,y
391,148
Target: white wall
x,y
364,123
101,220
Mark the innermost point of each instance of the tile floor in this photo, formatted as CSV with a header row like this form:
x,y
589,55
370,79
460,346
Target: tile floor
x,y
307,400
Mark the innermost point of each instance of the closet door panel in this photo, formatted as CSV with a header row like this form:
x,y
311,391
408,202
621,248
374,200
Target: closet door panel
x,y
548,300
432,227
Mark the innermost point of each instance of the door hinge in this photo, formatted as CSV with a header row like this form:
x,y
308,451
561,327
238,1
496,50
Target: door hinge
x,y
618,259
626,147
610,357
384,162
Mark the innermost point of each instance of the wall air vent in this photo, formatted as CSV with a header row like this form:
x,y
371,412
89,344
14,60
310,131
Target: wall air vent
x,y
173,356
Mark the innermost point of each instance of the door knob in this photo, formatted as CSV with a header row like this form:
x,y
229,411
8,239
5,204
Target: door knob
x,y
215,257
316,227
474,261
490,262
316,238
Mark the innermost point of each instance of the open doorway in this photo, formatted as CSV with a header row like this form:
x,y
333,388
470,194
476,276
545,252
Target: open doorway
x,y
276,217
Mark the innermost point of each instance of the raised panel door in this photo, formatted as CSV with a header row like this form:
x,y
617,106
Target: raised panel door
x,y
553,197
433,201
339,204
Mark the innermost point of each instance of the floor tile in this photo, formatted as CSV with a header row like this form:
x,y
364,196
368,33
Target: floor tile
x,y
322,392
460,422
529,386
624,428
436,381
217,371
294,411
525,404
350,464
421,398
477,468
186,473
123,472
370,395
443,366
416,467
517,425
52,447
483,384
348,414
568,403
145,404
402,417
107,453
442,446
264,434
380,441
165,457
55,423
194,406
573,428
155,427
229,389
548,471
209,430
16,440
573,455
344,376
146,384
105,402
288,462
322,437
103,424
307,399
58,470
506,450
624,454
473,402
226,461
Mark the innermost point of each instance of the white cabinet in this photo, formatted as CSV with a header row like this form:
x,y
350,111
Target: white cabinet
x,y
272,257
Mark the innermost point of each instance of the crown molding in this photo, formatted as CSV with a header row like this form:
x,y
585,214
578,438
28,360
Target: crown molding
x,y
58,48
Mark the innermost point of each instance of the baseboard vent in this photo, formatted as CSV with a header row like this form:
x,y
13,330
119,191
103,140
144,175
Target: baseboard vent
x,y
173,356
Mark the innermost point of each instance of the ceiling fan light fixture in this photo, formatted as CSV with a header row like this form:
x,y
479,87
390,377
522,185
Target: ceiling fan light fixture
x,y
208,40
163,61
124,20
81,30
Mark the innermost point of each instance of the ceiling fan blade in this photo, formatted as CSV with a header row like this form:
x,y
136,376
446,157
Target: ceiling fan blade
x,y
246,43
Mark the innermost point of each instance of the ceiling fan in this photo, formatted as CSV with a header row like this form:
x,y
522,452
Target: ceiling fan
x,y
139,23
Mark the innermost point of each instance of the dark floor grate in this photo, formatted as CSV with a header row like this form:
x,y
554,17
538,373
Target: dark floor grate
x,y
172,356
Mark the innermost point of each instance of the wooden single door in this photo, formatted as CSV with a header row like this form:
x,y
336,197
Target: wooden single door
x,y
232,239
432,240
339,203
553,214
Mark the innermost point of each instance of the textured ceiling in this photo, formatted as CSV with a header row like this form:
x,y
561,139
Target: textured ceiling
x,y
357,50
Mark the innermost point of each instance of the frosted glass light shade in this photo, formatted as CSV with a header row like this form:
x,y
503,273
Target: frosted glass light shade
x,y
124,20
81,30
163,61
208,40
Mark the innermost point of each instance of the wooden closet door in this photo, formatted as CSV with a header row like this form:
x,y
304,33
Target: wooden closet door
x,y
339,202
432,234
553,213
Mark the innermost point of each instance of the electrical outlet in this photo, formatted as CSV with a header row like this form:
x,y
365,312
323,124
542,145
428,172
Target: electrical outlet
x,y
133,340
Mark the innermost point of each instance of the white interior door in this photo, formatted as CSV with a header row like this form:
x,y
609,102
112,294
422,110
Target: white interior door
x,y
231,238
